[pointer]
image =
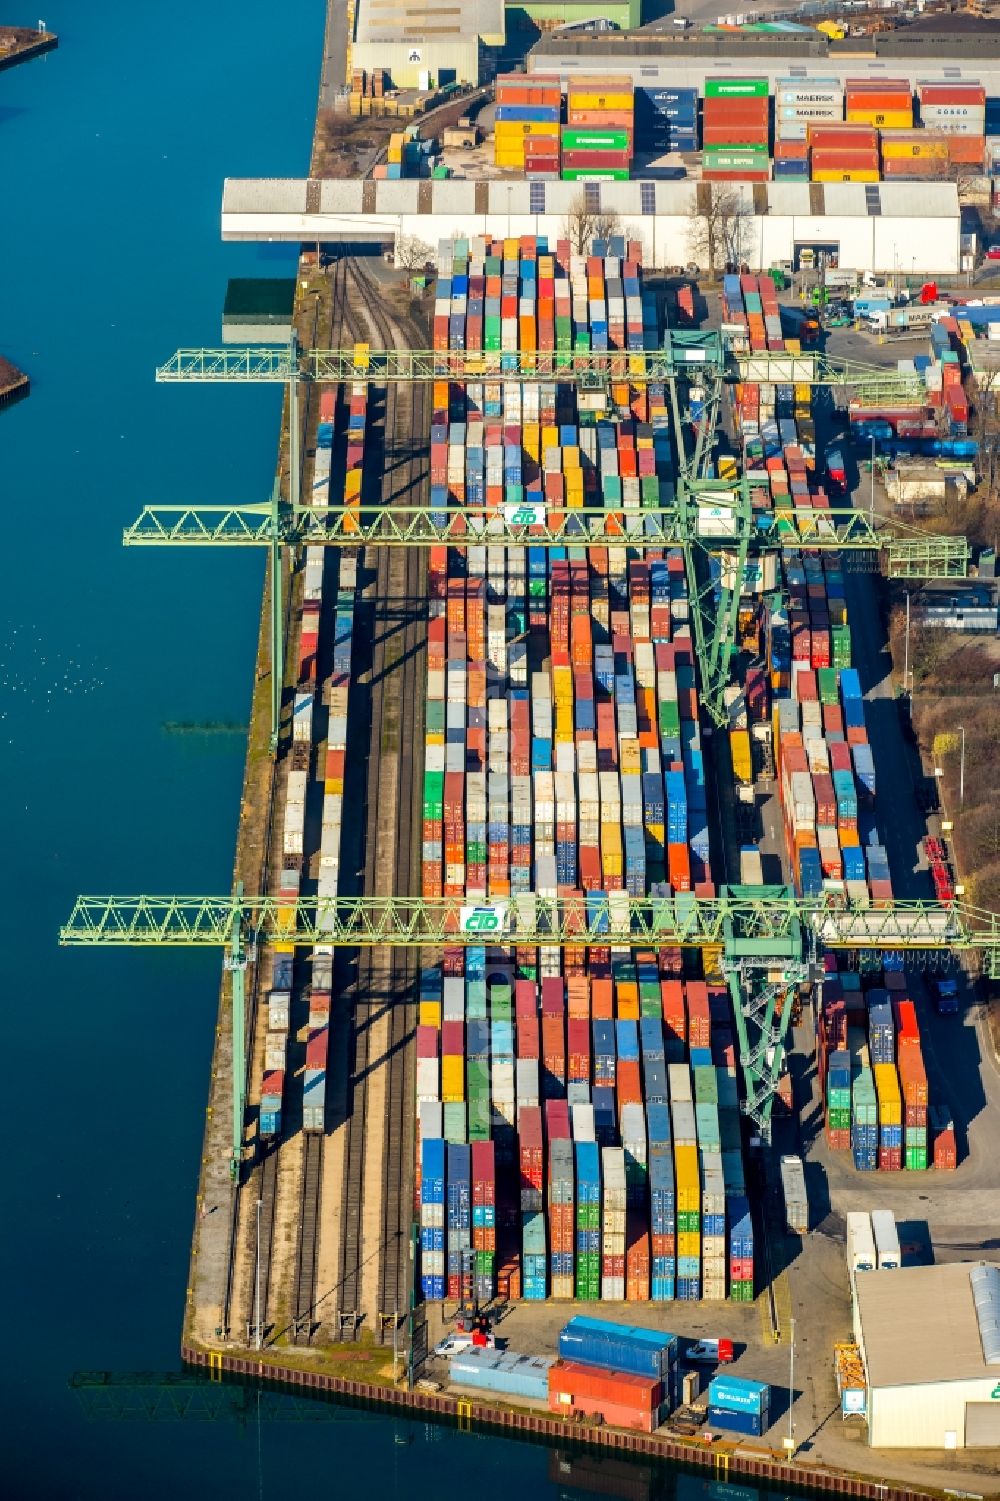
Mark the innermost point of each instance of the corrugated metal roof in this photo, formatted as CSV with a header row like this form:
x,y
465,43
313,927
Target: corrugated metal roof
x,y
919,1326
264,195
788,198
271,195
430,20
341,196
919,200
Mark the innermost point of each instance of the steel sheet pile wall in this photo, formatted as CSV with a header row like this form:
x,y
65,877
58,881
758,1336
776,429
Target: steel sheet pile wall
x,y
330,769
870,1055
564,757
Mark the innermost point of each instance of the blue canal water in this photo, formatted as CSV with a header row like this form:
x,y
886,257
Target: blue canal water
x,y
114,149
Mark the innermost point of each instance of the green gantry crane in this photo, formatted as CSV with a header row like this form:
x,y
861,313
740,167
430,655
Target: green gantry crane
x,y
712,521
766,938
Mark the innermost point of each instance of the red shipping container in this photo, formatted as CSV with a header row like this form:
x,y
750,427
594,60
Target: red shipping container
x,y
530,1146
629,1084
945,1150
844,159
591,1389
699,1016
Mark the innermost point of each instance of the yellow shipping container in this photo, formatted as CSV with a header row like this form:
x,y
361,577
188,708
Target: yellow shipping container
x,y
430,1014
932,146
803,393
892,119
890,1103
334,786
434,737
352,483
550,438
687,1179
452,1079
631,758
826,175
739,749
727,466
530,437
579,99
516,130
562,686
570,459
688,1243
564,723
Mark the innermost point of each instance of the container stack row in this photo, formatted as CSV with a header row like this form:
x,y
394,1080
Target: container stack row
x,y
329,769
939,426
563,756
871,1059
736,130
666,119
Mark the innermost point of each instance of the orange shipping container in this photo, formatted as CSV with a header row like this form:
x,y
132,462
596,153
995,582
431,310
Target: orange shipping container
x,y
586,1387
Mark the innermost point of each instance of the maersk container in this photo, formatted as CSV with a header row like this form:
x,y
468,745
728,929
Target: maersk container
x,y
503,1371
753,1424
736,1394
618,1347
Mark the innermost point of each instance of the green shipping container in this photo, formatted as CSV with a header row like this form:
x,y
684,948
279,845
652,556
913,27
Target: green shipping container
x,y
741,1292
594,174
479,1115
669,716
751,149
841,636
916,1159
826,681
736,88
433,794
839,1120
595,140
454,1121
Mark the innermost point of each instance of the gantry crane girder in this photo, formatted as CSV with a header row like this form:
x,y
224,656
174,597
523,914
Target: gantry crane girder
x,y
713,521
768,939
581,920
691,356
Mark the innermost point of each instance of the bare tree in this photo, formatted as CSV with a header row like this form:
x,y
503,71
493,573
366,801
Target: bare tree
x,y
583,225
411,254
719,232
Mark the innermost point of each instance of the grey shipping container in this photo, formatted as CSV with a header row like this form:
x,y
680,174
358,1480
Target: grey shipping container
x,y
793,1185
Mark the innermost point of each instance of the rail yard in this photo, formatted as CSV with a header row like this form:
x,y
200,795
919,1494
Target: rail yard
x,y
590,952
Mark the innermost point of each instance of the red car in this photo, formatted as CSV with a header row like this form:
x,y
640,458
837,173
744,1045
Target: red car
x,y
993,253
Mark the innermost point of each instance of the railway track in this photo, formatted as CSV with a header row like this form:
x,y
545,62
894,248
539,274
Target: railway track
x,y
260,1185
385,990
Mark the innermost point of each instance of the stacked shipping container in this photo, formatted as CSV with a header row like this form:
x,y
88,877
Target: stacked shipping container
x,y
563,756
526,132
870,1054
799,103
597,141
330,769
736,130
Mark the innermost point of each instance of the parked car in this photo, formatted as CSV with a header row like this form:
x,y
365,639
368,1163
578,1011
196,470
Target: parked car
x,y
461,1340
712,1351
993,252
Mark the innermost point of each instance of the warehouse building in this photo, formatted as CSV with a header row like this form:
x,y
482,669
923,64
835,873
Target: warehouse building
x,y
544,15
930,1341
867,227
653,59
425,44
